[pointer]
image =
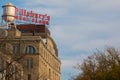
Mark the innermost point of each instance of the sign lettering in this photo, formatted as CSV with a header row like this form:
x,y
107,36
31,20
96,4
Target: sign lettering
x,y
30,16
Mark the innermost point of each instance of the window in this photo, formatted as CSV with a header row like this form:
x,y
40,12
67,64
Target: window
x,y
3,46
16,49
29,76
29,63
30,50
49,74
1,67
22,31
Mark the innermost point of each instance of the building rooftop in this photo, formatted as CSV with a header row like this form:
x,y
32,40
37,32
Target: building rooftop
x,y
33,28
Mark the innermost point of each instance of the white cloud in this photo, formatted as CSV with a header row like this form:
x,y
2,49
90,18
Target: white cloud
x,y
66,7
68,66
87,36
106,4
52,12
96,5
68,63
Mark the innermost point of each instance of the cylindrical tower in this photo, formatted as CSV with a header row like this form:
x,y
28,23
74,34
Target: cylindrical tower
x,y
8,12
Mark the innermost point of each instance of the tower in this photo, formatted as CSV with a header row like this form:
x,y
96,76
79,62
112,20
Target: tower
x,y
9,15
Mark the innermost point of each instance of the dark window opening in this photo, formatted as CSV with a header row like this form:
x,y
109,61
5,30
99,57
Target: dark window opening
x,y
30,50
29,76
16,49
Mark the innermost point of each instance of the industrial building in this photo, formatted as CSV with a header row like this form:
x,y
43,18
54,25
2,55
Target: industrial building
x,y
27,51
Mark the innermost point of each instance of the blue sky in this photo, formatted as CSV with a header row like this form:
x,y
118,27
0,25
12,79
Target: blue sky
x,y
78,27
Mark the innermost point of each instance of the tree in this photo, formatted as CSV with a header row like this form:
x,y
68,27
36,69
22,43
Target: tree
x,y
100,66
9,62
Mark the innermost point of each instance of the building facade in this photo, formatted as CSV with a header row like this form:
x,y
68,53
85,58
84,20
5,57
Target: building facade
x,y
32,47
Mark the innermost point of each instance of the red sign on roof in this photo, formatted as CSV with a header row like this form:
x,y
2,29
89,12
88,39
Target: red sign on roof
x,y
30,16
